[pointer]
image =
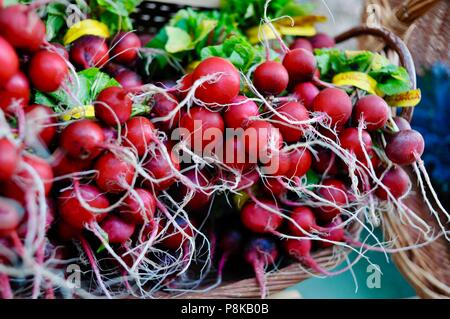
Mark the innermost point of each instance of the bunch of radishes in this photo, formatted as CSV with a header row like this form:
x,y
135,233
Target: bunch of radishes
x,y
135,188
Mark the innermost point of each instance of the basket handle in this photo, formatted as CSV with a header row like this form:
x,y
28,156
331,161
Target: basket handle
x,y
393,42
411,10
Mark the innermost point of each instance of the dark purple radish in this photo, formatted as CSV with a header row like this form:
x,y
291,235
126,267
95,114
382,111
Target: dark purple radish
x,y
402,123
119,231
306,93
259,219
240,112
89,51
335,192
373,110
405,147
271,78
175,238
47,71
11,214
22,27
8,60
397,181
83,139
9,159
162,106
128,79
301,43
322,40
231,243
15,90
325,162
139,207
261,252
113,106
300,64
124,47
335,103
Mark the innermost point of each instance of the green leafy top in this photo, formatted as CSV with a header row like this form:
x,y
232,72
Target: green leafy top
x,y
84,92
391,79
238,50
115,14
250,12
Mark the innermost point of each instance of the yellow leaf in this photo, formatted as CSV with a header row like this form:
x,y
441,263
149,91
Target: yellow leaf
x,y
86,27
75,113
357,79
300,31
406,99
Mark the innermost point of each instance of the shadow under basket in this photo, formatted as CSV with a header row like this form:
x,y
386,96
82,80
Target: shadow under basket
x,y
426,268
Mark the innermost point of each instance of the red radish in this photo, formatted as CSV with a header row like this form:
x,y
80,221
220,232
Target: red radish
x,y
278,164
326,161
335,103
332,234
8,60
306,92
262,139
128,79
115,175
16,88
261,252
350,141
200,122
24,181
138,133
45,118
274,187
200,200
11,214
118,230
174,237
405,147
183,86
82,139
295,112
158,168
373,110
162,106
47,71
300,64
89,51
248,179
303,218
240,112
301,43
49,219
322,40
139,207
124,47
259,219
22,27
402,123
300,162
221,90
271,78
396,181
113,102
9,159
74,214
65,165
67,233
335,192
235,155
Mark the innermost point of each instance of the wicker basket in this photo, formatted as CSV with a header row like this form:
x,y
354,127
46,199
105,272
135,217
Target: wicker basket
x,y
428,268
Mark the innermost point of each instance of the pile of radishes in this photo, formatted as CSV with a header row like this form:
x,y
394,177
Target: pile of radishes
x,y
160,197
